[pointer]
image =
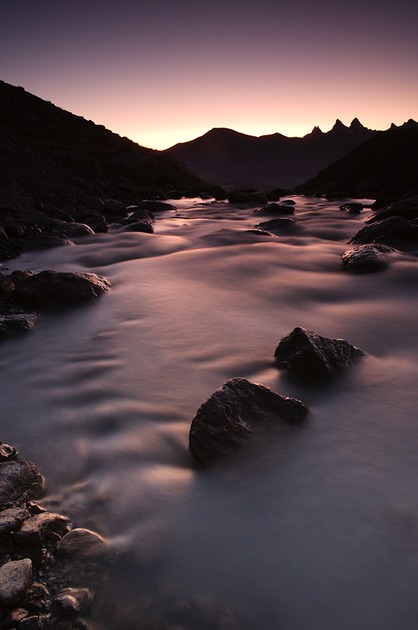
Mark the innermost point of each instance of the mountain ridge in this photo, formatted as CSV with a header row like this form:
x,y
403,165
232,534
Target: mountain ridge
x,y
234,159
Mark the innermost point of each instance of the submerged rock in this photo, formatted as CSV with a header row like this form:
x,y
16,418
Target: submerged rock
x,y
277,224
352,208
52,288
307,355
17,323
233,414
370,257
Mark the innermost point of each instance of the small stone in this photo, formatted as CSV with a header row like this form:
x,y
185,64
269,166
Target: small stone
x,y
71,602
38,598
7,452
15,578
84,545
11,519
42,527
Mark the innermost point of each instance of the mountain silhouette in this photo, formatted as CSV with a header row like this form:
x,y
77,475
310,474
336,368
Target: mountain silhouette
x,y
384,166
52,156
233,159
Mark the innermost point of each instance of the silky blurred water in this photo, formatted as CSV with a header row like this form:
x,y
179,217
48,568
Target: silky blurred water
x,y
315,528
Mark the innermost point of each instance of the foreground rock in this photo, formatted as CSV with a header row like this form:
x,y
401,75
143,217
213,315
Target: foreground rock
x,y
394,231
15,578
310,357
367,258
233,414
19,482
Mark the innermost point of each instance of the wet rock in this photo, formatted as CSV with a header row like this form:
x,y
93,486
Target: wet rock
x,y
15,578
352,208
277,224
370,257
11,519
44,241
19,482
395,231
405,208
275,208
38,598
17,323
71,602
83,544
249,197
42,527
233,414
37,622
73,230
140,226
7,452
311,357
54,289
97,223
155,206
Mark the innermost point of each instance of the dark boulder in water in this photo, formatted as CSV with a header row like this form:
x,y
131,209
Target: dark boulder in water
x,y
370,257
352,208
54,289
307,355
233,414
406,208
396,231
13,323
277,224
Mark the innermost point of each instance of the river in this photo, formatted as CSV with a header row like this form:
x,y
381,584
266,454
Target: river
x,y
314,530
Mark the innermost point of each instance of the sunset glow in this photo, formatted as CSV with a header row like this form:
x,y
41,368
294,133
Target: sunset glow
x,y
162,73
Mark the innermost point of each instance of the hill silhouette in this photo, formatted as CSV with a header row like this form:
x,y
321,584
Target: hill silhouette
x,y
385,166
233,159
52,157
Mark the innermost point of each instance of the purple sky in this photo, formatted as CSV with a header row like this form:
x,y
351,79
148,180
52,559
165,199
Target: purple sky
x,y
161,72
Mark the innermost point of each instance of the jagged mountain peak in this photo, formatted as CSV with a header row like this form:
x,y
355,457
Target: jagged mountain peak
x,y
356,125
339,126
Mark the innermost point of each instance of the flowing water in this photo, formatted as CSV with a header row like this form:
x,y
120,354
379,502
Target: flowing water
x,y
316,528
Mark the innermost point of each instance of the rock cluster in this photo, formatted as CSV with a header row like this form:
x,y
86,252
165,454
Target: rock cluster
x,y
47,568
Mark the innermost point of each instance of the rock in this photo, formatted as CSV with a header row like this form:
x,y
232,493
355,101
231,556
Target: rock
x,y
71,602
395,231
97,223
83,544
140,226
275,208
405,208
352,208
15,578
54,289
367,257
249,197
42,527
38,598
233,414
7,452
37,622
11,519
17,323
277,193
73,230
307,355
19,482
44,241
139,215
155,206
276,224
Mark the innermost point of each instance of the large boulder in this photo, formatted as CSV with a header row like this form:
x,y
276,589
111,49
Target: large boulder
x,y
15,578
395,230
19,482
307,355
406,208
233,414
55,289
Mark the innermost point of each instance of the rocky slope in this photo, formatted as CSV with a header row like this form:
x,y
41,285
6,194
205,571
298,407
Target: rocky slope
x,y
384,167
50,157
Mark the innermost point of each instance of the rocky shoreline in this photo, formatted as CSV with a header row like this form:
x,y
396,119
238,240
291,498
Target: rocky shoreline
x,y
48,568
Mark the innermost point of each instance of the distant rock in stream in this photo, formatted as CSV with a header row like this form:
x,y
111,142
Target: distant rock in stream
x,y
312,358
234,414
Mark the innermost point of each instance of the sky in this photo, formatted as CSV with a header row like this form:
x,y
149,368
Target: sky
x,y
162,72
